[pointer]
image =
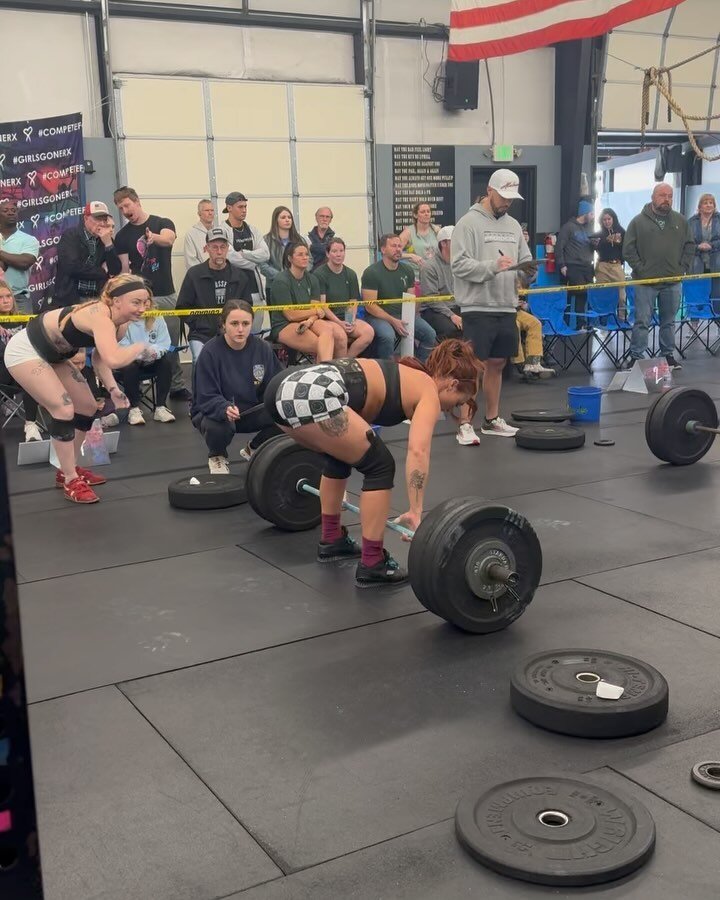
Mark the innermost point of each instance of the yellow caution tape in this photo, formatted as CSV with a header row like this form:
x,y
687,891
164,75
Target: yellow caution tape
x,y
523,292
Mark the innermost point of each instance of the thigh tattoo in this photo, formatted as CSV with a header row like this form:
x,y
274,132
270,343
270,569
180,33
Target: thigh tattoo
x,y
39,368
77,375
336,426
66,399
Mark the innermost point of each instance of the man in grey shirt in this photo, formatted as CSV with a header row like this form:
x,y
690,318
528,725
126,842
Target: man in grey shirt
x,y
486,244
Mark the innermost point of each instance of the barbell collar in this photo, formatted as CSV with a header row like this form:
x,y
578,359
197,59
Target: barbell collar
x,y
693,426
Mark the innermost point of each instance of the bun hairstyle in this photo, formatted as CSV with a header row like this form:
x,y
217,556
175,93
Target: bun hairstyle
x,y
452,358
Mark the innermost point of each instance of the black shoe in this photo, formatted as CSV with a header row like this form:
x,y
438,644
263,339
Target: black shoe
x,y
386,572
672,362
343,548
181,394
627,364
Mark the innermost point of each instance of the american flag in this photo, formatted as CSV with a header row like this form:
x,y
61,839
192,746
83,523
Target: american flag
x,y
483,28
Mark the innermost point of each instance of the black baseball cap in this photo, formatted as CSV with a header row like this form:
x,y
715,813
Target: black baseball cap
x,y
217,234
234,197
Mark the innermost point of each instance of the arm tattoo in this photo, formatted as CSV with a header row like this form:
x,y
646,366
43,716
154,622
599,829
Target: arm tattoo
x,y
417,481
67,401
336,426
77,376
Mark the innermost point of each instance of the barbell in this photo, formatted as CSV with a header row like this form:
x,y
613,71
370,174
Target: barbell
x,y
473,564
681,425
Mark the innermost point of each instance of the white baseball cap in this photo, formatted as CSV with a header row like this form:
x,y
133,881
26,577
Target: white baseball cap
x,y
445,233
506,183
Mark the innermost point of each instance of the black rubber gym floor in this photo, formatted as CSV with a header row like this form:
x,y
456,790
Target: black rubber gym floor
x,y
215,715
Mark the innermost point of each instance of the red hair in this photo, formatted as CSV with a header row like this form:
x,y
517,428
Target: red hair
x,y
454,359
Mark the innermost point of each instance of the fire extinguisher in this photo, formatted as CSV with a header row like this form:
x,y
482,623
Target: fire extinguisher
x,y
550,240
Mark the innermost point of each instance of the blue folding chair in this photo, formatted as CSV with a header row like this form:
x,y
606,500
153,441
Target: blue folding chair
x,y
574,343
697,316
610,332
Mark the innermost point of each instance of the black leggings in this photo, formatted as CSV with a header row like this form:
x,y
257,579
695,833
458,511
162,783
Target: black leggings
x,y
218,435
30,404
443,325
133,375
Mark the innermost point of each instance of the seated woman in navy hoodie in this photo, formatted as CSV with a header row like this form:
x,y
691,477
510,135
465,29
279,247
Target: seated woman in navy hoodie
x,y
230,377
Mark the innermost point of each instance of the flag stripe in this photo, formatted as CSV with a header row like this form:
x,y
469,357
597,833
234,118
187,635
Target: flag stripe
x,y
505,10
578,19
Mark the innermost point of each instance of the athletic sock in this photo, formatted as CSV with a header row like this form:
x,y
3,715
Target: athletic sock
x,y
372,552
331,530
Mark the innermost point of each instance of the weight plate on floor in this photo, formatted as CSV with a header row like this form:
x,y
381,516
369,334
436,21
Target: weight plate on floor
x,y
562,832
455,539
212,491
707,774
604,442
665,426
275,470
550,437
556,689
542,415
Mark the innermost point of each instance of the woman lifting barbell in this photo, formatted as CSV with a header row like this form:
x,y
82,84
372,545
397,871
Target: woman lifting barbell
x,y
38,358
328,407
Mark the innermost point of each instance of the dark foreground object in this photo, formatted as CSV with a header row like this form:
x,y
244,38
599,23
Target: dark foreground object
x,y
213,492
556,689
542,415
681,426
550,437
556,831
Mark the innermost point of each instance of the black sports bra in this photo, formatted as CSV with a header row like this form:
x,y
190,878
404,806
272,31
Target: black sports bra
x,y
391,412
45,348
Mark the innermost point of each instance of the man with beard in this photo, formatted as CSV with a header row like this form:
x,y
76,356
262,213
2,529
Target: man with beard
x,y
18,254
658,243
486,244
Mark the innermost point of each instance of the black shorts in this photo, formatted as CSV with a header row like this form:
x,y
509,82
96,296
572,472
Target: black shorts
x,y
493,335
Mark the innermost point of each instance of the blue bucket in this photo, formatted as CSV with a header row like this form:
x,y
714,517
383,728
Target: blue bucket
x,y
585,403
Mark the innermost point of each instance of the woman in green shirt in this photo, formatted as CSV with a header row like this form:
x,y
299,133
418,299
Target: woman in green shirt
x,y
305,330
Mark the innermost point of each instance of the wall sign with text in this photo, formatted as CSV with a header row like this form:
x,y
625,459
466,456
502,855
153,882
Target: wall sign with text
x,y
423,174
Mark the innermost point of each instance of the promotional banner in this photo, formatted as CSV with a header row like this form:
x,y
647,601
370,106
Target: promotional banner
x,y
41,168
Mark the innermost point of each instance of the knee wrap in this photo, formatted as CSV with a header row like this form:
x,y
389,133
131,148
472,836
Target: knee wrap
x,y
334,468
83,423
378,465
62,429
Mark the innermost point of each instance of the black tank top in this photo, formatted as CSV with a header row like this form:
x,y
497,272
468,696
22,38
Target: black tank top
x,y
391,412
37,335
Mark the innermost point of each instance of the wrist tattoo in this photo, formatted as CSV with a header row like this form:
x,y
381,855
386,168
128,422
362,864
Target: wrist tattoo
x,y
417,481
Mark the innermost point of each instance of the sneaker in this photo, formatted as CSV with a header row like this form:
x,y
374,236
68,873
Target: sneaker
x,y
537,368
219,465
343,548
246,453
135,416
91,478
79,491
498,427
163,414
32,432
386,572
109,421
672,362
466,436
181,394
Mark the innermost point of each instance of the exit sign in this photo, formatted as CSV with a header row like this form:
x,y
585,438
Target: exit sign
x,y
503,153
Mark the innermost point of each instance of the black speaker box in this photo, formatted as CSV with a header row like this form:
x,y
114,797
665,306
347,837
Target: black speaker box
x,y
461,85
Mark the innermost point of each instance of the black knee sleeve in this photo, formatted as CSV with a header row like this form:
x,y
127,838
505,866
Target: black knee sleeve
x,y
83,423
336,469
378,465
61,429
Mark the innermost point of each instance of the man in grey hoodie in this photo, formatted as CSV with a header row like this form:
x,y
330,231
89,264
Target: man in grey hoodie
x,y
196,238
486,243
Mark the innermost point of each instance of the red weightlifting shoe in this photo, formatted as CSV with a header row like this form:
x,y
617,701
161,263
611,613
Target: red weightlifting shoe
x,y
87,476
79,491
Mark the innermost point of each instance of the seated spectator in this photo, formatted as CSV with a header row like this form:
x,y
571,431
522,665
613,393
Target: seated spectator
x,y
196,239
282,233
339,284
436,278
211,284
390,279
306,330
529,359
86,257
8,307
229,382
321,235
153,363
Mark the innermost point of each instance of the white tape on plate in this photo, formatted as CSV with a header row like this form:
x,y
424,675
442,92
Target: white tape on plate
x,y
609,691
193,480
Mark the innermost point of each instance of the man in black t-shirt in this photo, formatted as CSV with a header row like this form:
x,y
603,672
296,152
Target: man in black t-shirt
x,y
248,248
144,246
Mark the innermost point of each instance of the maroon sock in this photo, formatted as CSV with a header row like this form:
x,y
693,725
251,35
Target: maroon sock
x,y
372,552
331,530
